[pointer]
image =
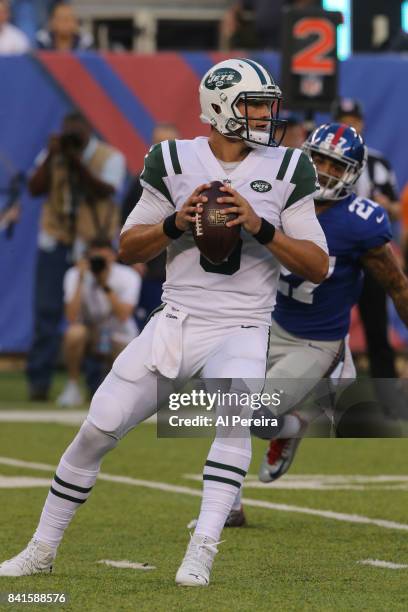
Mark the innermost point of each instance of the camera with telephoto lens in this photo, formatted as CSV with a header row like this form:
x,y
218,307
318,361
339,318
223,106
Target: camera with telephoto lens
x,y
71,141
97,263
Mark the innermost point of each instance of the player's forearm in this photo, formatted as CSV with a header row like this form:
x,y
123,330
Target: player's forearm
x,y
142,243
400,298
301,257
383,265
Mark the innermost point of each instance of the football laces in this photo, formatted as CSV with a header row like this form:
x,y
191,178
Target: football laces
x,y
198,225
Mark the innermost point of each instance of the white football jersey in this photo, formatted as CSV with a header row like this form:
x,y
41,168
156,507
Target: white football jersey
x,y
242,289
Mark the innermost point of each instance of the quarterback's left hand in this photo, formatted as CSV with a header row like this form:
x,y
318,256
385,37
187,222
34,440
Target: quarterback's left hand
x,y
246,216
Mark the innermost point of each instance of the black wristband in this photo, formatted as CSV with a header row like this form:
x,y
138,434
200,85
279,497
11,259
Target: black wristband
x,y
266,232
170,228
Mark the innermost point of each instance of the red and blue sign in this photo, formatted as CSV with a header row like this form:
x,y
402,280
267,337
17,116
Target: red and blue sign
x,y
124,96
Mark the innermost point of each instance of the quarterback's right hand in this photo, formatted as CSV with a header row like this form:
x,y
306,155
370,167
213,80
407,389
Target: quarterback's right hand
x,y
186,214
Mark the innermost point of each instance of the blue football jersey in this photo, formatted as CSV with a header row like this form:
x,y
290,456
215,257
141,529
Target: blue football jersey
x,y
322,312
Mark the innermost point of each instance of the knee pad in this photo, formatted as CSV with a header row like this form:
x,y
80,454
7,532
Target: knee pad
x,y
106,413
87,449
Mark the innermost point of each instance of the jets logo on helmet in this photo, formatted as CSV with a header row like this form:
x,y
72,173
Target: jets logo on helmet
x,y
342,144
233,81
222,78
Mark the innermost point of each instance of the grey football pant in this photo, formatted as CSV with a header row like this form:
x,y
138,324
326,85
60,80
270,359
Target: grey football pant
x,y
296,365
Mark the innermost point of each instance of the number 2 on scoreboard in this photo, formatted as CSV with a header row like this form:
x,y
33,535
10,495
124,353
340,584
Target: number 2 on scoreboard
x,y
314,57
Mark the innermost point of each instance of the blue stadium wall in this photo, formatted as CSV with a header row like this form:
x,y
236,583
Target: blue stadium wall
x,y
124,96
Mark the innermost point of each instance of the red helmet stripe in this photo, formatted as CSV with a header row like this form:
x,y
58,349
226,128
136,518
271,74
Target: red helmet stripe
x,y
338,134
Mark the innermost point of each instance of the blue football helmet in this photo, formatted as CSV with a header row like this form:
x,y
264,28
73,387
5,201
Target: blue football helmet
x,y
342,144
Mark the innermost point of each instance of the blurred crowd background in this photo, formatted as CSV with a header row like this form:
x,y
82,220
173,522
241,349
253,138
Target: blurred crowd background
x,y
87,87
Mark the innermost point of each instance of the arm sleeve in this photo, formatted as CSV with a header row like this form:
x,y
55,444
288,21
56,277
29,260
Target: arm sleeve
x,y
149,210
300,222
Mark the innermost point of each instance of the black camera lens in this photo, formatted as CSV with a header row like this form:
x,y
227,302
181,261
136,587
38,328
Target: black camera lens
x,y
97,264
71,140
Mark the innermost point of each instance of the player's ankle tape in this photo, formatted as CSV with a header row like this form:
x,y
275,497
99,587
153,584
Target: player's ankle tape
x,y
266,233
170,228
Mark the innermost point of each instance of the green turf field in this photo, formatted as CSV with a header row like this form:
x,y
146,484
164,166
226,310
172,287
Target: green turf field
x,y
286,559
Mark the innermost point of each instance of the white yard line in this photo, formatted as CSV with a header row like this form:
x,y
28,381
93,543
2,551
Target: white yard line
x,y
31,465
162,486
128,564
327,482
61,416
384,564
22,482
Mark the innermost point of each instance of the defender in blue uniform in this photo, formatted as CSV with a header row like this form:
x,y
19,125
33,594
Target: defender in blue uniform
x,y
310,322
352,227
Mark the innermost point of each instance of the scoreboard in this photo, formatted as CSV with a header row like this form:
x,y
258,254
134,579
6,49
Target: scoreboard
x,y
309,76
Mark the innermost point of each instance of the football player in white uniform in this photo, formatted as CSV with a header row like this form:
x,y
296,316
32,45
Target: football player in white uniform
x,y
216,319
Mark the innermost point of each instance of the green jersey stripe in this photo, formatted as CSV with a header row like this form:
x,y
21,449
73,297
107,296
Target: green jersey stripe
x,y
154,170
292,165
305,180
174,157
257,69
284,165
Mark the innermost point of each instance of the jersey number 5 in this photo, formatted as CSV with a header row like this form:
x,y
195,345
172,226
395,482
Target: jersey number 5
x,y
304,292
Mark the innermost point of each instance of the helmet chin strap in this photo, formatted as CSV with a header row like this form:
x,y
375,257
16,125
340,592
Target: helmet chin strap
x,y
253,138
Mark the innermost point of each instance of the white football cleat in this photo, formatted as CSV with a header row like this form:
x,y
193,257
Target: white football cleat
x,y
36,558
70,396
196,566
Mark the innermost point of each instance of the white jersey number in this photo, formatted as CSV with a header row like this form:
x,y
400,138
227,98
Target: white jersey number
x,y
362,208
304,292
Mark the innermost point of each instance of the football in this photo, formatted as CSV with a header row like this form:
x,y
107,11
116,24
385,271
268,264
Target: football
x,y
213,238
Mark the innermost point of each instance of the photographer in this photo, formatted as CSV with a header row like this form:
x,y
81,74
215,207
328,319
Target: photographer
x,y
79,175
100,297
